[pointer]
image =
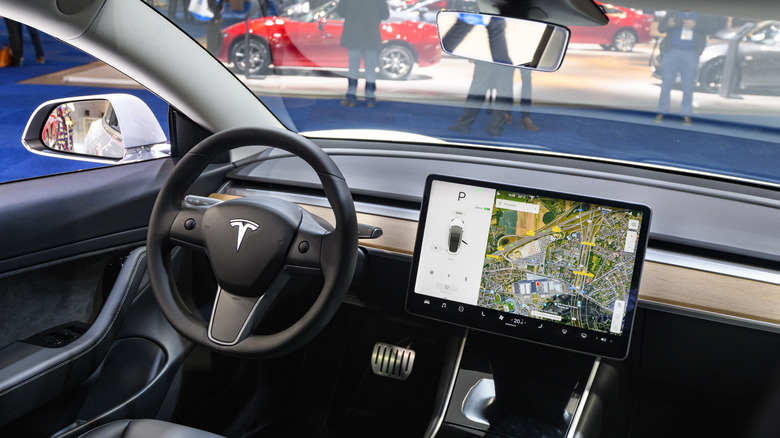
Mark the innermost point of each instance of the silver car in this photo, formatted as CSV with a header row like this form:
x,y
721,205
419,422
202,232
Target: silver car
x,y
757,60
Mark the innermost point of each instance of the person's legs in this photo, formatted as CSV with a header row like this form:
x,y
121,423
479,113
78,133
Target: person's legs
x,y
455,35
466,119
688,66
525,92
369,62
354,57
525,101
36,40
15,38
497,40
502,81
669,68
214,35
173,7
480,82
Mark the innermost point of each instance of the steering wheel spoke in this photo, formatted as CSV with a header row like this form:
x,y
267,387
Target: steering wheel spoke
x,y
233,317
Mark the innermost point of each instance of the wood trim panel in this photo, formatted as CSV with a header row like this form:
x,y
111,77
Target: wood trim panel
x,y
661,283
711,292
398,234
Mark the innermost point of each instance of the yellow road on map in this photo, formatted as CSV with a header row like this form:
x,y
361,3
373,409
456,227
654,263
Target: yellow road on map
x,y
585,273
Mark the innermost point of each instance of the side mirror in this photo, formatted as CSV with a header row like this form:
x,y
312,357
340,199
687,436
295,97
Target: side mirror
x,y
321,23
110,128
510,41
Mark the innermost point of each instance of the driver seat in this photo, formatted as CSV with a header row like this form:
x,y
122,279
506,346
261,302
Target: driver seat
x,y
145,429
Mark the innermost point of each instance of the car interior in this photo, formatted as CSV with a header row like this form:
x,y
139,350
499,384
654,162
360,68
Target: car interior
x,y
260,282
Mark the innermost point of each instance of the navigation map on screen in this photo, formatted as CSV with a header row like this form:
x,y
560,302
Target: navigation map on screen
x,y
539,257
566,261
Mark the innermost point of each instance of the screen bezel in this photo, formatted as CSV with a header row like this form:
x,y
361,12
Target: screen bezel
x,y
528,328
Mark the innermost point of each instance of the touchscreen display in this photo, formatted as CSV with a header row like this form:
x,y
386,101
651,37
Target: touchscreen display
x,y
548,267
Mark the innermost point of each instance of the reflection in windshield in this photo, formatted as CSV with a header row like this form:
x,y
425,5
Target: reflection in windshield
x,y
305,15
718,103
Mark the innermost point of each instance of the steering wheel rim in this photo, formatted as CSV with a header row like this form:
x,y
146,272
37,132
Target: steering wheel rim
x,y
336,260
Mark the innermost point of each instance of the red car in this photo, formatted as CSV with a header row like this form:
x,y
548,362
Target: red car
x,y
626,27
312,39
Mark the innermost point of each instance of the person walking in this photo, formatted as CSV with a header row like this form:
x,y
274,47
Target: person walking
x,y
363,40
686,37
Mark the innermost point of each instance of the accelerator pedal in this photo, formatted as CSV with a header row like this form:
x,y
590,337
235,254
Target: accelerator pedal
x,y
392,361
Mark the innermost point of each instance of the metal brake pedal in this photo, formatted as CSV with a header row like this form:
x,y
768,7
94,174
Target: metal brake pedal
x,y
392,361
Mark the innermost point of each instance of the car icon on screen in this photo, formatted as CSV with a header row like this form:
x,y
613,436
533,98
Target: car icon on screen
x,y
456,235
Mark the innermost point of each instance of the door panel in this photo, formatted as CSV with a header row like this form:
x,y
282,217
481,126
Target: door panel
x,y
35,371
60,235
73,261
56,217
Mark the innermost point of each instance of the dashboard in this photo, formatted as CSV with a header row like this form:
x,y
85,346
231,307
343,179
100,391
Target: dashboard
x,y
695,261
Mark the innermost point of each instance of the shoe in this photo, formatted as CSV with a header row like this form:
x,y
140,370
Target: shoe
x,y
659,118
40,60
687,121
528,124
370,102
350,100
460,128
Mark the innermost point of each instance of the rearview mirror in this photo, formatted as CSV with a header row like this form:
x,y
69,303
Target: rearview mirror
x,y
510,41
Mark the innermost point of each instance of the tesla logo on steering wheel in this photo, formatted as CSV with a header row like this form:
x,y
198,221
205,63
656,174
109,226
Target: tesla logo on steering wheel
x,y
243,225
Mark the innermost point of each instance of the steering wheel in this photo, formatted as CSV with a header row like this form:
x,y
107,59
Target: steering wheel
x,y
254,245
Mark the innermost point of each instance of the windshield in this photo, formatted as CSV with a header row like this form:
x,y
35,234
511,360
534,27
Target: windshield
x,y
687,91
